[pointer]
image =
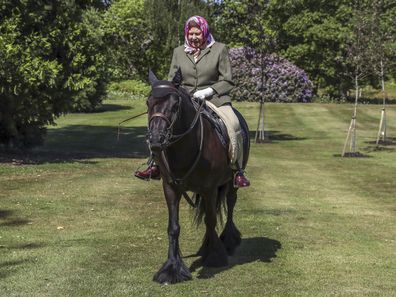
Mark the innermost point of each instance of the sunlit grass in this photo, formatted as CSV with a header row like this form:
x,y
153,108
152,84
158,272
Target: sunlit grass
x,y
73,221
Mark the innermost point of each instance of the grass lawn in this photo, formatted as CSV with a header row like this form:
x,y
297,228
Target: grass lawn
x,y
73,222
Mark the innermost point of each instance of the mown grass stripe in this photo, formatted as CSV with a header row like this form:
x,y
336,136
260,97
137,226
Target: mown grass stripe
x,y
313,224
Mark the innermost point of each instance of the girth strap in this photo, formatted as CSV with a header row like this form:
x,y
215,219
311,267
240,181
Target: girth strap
x,y
189,200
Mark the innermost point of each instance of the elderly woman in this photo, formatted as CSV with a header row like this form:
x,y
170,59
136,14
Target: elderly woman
x,y
206,74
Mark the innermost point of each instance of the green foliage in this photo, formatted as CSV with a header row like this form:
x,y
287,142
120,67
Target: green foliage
x,y
246,23
318,37
92,67
133,87
127,34
51,62
312,35
383,35
166,21
57,57
142,34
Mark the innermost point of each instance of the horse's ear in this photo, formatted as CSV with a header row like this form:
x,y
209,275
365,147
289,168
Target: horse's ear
x,y
177,78
152,77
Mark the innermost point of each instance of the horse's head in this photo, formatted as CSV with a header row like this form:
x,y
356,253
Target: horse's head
x,y
163,109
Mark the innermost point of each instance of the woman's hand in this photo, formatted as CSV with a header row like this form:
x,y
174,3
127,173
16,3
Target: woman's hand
x,y
202,94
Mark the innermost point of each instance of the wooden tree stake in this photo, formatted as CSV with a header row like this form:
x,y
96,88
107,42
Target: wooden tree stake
x,y
260,132
381,136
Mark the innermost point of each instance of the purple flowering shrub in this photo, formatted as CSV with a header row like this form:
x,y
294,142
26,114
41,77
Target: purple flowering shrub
x,y
283,81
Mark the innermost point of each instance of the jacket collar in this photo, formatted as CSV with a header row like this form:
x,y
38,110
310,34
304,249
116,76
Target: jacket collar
x,y
201,54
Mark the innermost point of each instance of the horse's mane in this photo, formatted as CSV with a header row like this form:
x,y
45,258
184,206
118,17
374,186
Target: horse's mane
x,y
184,92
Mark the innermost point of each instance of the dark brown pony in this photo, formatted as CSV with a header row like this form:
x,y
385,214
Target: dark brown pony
x,y
191,158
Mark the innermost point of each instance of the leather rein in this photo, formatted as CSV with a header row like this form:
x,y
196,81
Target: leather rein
x,y
171,138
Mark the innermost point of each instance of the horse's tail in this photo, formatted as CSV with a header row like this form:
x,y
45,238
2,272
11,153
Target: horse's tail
x,y
220,205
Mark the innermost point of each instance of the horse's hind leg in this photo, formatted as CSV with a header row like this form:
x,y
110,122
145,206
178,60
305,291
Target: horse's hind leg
x,y
231,237
174,270
212,250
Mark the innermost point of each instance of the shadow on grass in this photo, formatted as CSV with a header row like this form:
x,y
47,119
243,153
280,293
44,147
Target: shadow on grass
x,y
8,220
27,246
353,155
255,249
275,136
14,222
7,267
380,148
387,142
105,107
77,143
4,213
111,107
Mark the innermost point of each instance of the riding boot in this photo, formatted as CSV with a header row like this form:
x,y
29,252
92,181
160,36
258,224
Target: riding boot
x,y
240,180
151,172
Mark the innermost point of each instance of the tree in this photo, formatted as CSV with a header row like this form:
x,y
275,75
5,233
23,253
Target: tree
x,y
384,39
358,61
249,21
51,62
127,34
166,19
312,35
142,34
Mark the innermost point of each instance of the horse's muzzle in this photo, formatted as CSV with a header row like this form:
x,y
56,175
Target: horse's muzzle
x,y
157,142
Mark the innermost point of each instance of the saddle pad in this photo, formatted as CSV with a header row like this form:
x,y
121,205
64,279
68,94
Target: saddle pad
x,y
218,125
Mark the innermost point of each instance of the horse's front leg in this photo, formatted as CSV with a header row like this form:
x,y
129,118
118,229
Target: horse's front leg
x,y
174,269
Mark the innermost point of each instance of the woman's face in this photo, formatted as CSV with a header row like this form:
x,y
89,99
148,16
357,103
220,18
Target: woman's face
x,y
195,37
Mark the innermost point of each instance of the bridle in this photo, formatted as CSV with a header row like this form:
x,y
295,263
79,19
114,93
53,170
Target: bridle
x,y
162,90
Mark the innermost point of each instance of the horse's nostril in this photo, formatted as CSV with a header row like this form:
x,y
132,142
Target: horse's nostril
x,y
156,142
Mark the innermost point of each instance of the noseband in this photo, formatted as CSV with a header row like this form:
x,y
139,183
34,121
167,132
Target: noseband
x,y
162,90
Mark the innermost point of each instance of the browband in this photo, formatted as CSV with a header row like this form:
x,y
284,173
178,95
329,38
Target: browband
x,y
162,89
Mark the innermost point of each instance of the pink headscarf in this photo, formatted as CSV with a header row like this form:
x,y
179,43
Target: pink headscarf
x,y
204,27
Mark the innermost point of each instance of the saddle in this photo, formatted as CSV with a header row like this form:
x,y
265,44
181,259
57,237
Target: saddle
x,y
221,130
217,124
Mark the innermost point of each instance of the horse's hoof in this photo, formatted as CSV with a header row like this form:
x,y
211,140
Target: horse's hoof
x,y
173,271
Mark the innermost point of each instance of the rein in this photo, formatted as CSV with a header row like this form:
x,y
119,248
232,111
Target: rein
x,y
197,116
126,120
179,181
173,138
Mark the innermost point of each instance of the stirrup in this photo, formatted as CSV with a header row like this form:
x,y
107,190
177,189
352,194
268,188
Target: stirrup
x,y
240,180
152,172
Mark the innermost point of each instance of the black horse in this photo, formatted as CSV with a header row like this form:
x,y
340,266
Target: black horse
x,y
191,158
